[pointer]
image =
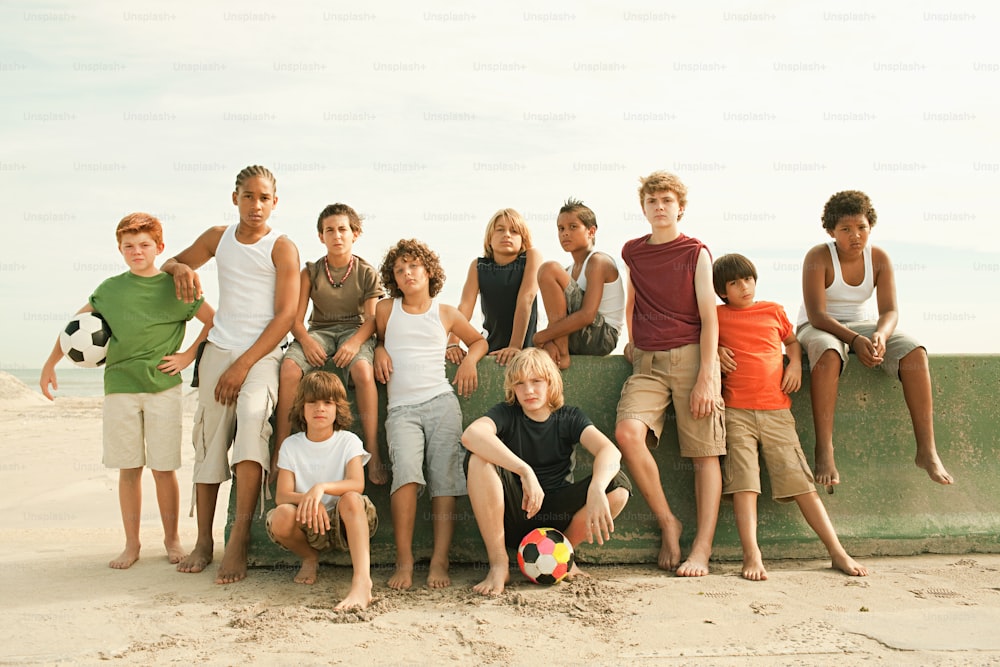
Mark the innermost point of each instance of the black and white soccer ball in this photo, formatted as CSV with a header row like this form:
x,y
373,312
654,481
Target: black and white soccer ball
x,y
85,340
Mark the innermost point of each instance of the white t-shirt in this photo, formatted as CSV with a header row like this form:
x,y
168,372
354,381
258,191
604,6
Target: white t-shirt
x,y
313,463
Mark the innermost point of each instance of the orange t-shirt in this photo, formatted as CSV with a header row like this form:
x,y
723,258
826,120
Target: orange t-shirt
x,y
754,334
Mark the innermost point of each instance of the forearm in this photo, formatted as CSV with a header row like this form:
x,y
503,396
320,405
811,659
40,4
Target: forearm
x,y
269,339
607,464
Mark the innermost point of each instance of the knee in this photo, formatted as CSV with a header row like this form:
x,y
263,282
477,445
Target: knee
x,y
362,374
290,372
350,505
283,521
630,436
617,500
549,270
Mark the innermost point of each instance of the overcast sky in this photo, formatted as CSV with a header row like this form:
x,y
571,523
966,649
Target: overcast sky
x,y
427,118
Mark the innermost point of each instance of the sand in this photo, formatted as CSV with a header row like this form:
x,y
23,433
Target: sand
x,y
63,605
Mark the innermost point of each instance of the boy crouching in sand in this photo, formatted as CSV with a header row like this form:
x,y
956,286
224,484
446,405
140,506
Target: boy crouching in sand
x,y
321,478
755,388
521,463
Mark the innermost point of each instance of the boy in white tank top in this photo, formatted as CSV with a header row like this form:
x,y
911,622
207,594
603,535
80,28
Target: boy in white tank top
x,y
424,419
838,278
258,272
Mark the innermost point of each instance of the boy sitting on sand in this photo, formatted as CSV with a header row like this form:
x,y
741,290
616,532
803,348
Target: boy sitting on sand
x,y
585,302
520,468
142,384
321,479
755,388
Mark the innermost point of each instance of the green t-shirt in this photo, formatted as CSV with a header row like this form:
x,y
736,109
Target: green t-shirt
x,y
147,323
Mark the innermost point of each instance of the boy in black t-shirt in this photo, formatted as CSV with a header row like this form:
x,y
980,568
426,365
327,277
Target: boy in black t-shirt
x,y
531,436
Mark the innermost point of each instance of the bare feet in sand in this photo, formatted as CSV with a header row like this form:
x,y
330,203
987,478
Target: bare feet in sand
x,y
935,469
848,565
233,567
308,572
438,576
753,567
197,560
694,566
670,546
402,578
495,580
126,558
175,552
575,571
359,597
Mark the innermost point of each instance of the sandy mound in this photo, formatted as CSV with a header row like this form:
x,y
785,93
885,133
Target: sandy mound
x,y
13,392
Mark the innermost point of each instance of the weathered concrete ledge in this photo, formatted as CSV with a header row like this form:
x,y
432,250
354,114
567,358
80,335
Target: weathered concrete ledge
x,y
885,505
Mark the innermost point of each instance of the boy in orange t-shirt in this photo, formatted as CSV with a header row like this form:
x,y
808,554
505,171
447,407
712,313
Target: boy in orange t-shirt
x,y
755,387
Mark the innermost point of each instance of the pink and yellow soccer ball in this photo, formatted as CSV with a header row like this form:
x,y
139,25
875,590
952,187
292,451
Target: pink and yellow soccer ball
x,y
545,556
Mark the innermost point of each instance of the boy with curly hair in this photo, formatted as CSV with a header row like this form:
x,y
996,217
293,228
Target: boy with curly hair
x,y
424,419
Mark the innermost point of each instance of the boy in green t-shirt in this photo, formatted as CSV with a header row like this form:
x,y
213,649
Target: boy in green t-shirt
x,y
143,401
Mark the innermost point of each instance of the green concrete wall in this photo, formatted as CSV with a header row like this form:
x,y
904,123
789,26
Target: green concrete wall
x,y
884,506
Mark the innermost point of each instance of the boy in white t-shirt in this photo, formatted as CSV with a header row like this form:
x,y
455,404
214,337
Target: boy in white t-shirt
x,y
321,479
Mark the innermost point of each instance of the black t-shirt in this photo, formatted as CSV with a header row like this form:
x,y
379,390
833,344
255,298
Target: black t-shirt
x,y
548,447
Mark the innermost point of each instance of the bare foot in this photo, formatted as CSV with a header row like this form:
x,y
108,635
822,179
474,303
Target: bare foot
x,y
402,578
198,559
935,469
438,576
308,572
233,567
126,558
826,471
175,552
753,566
359,597
696,565
575,571
848,565
670,546
495,580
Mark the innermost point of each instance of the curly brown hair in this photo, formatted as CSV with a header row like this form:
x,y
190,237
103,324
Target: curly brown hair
x,y
320,386
848,202
412,249
663,181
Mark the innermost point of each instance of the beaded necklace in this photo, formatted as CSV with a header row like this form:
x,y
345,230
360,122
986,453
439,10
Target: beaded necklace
x,y
350,267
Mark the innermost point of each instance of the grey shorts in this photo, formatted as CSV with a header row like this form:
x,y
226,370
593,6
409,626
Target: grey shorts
x,y
431,430
598,338
331,338
816,342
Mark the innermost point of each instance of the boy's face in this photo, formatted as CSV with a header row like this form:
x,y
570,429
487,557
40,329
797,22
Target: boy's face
x,y
851,233
320,414
661,208
411,276
740,292
505,239
139,251
573,234
255,200
532,393
337,235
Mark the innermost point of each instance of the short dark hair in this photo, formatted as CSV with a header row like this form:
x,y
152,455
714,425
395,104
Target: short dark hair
x,y
848,202
582,212
340,209
731,267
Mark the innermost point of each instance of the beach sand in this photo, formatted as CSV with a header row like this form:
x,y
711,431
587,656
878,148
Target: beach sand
x,y
62,604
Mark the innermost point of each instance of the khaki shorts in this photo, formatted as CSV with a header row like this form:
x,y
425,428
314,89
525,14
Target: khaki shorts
x,y
816,342
661,378
331,338
774,432
597,338
144,430
245,426
336,537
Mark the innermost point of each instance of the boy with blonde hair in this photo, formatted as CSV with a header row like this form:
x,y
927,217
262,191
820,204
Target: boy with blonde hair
x,y
673,336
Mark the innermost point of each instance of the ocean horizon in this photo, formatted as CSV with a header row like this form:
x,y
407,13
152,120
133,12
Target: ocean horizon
x,y
74,381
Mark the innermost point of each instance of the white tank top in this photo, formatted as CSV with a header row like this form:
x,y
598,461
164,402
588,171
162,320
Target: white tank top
x,y
416,344
612,305
847,303
246,290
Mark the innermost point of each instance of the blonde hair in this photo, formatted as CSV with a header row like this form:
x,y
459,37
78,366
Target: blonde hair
x,y
660,181
320,386
531,363
516,221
